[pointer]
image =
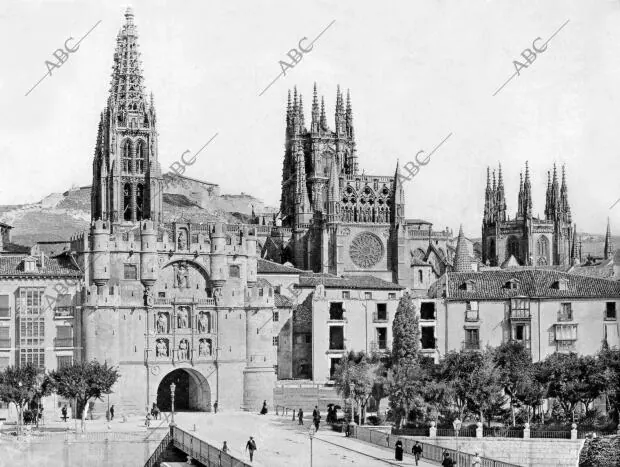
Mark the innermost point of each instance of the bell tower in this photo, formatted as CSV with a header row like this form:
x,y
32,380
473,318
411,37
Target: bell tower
x,y
127,182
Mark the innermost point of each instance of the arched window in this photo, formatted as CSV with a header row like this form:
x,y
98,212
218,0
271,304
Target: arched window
x,y
127,202
140,156
140,202
126,156
542,250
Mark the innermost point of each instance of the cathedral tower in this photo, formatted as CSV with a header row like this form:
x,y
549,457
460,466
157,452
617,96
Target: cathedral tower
x,y
127,182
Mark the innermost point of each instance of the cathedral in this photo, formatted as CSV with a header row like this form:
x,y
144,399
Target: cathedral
x,y
532,241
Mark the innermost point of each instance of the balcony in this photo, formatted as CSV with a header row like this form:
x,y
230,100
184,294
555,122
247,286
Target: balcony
x,y
471,345
380,317
472,316
381,346
520,315
64,313
565,346
63,342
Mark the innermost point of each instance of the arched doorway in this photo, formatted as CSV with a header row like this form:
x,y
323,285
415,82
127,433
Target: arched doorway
x,y
192,392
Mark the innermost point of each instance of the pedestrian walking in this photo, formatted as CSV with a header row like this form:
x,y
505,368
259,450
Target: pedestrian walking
x,y
64,412
447,460
112,413
416,450
398,450
155,411
476,461
225,447
147,422
215,406
263,411
300,416
251,446
316,417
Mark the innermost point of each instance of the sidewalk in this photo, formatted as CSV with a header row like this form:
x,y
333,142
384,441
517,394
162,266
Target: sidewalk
x,y
372,450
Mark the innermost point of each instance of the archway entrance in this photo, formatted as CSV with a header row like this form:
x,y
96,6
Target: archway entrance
x,y
192,392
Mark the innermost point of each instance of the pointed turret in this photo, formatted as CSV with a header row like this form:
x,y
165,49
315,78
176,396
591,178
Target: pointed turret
x,y
462,259
349,117
303,208
397,214
500,197
487,199
520,207
324,126
527,193
565,213
289,110
575,260
548,204
300,111
315,125
609,246
333,195
340,119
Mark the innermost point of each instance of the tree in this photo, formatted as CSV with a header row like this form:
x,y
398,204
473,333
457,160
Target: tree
x,y
406,389
83,381
355,372
22,385
609,361
405,331
486,387
515,366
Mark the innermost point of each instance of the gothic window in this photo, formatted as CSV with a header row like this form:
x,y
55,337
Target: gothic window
x,y
542,250
140,202
512,247
126,156
140,157
127,202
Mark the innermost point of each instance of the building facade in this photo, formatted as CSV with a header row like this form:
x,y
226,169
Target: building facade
x,y
546,310
531,240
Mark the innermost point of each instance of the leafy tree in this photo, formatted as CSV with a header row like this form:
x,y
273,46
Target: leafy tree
x,y
405,331
406,389
515,366
83,381
485,387
609,362
357,373
22,385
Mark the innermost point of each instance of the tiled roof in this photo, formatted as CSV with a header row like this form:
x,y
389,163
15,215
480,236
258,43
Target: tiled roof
x,y
12,265
14,248
269,267
263,283
282,301
535,283
330,281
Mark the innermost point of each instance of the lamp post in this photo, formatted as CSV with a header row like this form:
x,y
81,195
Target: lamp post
x,y
457,427
311,434
351,387
20,411
172,388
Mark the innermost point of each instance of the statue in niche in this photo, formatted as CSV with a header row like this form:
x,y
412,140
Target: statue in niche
x,y
203,322
204,348
182,241
161,348
181,276
217,294
162,323
183,350
182,318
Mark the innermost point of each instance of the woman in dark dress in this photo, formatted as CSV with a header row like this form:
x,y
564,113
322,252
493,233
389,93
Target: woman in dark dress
x,y
263,411
399,450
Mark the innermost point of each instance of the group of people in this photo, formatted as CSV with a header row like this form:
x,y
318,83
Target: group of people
x,y
154,414
416,450
250,446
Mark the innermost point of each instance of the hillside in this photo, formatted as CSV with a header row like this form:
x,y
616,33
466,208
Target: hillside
x,y
59,215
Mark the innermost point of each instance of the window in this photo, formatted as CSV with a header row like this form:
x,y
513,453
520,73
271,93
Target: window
x,y
392,296
336,312
566,312
126,155
346,295
471,306
275,340
4,362
382,312
261,292
472,339
428,337
610,310
34,356
234,271
420,276
382,338
140,156
512,284
130,272
31,327
276,316
336,338
333,366
64,336
127,202
368,295
140,202
565,332
519,332
161,294
5,338
520,308
427,310
63,361
308,339
5,310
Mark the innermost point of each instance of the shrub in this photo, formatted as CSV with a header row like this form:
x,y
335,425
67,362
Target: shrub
x,y
600,452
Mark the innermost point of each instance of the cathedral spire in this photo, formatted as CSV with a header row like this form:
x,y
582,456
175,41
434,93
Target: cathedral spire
x,y
397,214
333,195
302,123
462,259
323,117
349,117
500,196
527,192
289,109
487,199
609,246
340,117
564,206
315,125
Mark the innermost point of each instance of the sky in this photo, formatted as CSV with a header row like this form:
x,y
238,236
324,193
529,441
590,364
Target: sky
x,y
417,71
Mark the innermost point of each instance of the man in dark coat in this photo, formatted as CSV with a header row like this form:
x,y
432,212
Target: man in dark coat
x,y
251,446
447,460
398,450
64,413
417,451
300,416
316,417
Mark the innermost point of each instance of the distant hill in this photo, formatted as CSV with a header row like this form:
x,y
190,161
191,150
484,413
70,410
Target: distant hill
x,y
59,215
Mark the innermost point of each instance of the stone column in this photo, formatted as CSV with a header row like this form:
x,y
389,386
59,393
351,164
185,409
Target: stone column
x,y
526,431
479,430
573,432
134,194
